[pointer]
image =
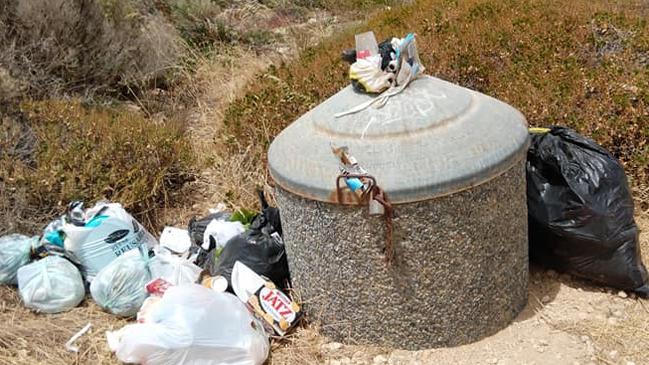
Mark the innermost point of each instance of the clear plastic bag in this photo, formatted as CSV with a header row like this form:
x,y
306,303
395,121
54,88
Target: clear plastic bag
x,y
120,287
51,285
194,325
15,250
174,269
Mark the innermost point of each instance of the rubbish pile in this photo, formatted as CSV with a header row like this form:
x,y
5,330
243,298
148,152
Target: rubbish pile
x,y
376,68
213,293
384,69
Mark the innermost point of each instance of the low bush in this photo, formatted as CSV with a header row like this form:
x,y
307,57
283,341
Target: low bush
x,y
58,151
84,46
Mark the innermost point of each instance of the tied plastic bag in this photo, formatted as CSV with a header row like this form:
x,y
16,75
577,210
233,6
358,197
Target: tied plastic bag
x,y
174,269
580,211
218,233
15,252
120,287
196,229
193,325
51,285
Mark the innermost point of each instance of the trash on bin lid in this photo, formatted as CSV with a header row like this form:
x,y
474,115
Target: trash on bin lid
x,y
432,139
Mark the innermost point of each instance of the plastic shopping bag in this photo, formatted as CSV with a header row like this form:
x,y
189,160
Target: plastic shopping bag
x,y
193,325
97,236
15,251
120,287
174,269
51,285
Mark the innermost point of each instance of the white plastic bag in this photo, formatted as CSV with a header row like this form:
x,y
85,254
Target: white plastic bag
x,y
51,285
220,232
174,269
107,232
175,239
367,72
15,250
193,325
120,287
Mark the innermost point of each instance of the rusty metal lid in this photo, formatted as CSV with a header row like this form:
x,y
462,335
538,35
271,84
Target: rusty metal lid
x,y
433,139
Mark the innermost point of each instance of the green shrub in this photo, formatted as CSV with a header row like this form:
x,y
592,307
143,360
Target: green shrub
x,y
74,152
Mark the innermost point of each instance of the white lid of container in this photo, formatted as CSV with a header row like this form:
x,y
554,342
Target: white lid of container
x,y
432,139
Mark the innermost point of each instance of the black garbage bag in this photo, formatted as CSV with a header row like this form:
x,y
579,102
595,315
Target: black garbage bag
x,y
260,248
196,229
580,211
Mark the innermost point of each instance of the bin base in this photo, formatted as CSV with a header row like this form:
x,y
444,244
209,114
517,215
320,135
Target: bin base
x,y
460,271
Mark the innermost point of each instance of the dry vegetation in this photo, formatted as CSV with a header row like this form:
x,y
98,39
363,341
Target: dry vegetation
x,y
579,63
63,46
96,97
90,152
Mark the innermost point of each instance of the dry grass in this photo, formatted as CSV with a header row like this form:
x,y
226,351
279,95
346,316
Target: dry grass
x,y
29,338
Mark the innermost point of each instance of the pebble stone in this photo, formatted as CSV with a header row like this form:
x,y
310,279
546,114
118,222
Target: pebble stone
x,y
618,314
460,271
622,294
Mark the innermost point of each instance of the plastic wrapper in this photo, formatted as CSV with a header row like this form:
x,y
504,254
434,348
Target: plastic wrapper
x,y
15,252
119,288
174,269
580,211
193,325
51,285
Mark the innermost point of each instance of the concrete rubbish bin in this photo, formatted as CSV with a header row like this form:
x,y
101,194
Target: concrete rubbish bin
x,y
451,161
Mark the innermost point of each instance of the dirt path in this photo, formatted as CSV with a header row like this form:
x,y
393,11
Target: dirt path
x,y
220,80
